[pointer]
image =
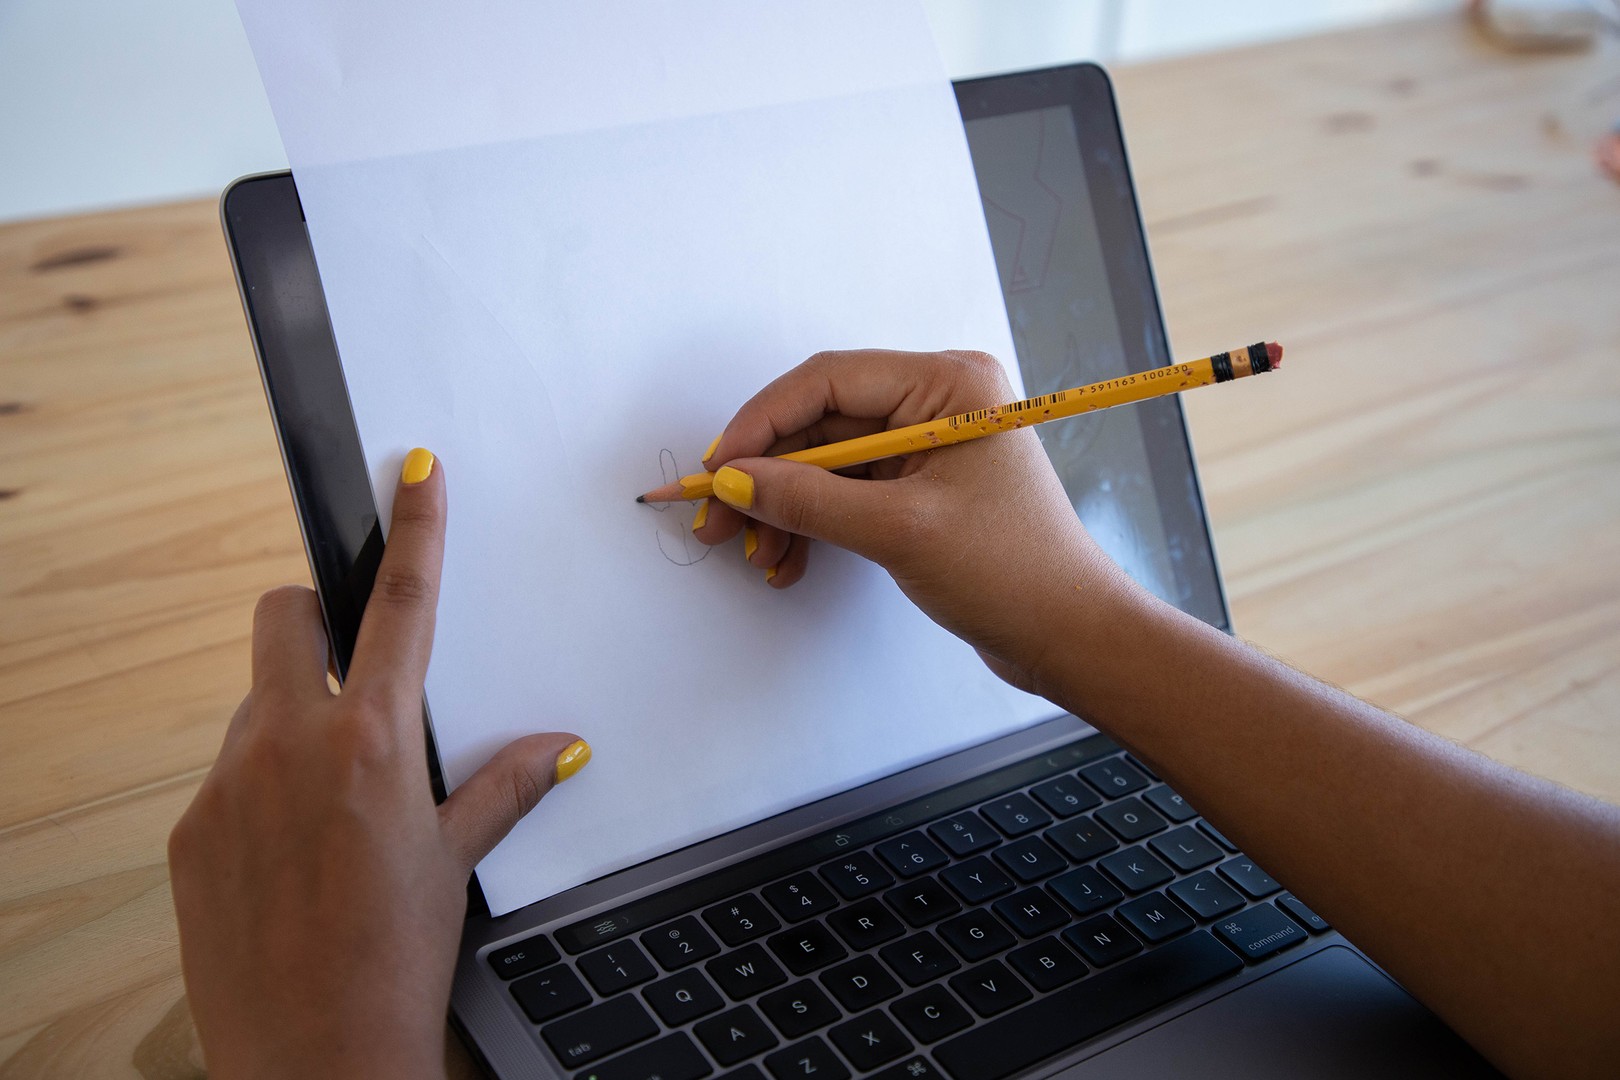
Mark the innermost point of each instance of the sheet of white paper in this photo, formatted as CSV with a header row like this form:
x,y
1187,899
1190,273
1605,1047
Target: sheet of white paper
x,y
562,267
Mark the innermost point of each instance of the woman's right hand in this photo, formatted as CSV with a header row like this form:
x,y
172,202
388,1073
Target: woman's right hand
x,y
979,535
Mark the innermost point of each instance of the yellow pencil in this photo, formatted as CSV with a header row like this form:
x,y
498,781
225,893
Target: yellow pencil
x,y
930,435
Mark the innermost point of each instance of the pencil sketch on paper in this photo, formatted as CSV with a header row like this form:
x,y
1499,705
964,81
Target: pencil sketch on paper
x,y
674,533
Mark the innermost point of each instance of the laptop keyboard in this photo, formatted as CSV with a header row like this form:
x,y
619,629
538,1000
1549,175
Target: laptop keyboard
x,y
968,935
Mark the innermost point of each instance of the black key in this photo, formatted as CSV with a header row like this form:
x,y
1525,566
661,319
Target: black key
x,y
615,967
599,1031
865,924
1047,964
1185,848
856,876
550,993
1131,818
1155,918
1048,1027
1303,915
745,972
976,935
922,901
805,948
1135,870
964,833
799,897
1254,881
747,1072
1030,859
1101,940
682,942
1167,802
742,920
530,954
1065,796
976,880
1257,933
681,998
916,1068
1217,836
912,854
931,1014
1085,890
812,1059
735,1035
799,1009
1206,895
990,988
1114,777
674,1057
1032,912
919,958
1137,763
869,1041
860,984
1082,839
1016,815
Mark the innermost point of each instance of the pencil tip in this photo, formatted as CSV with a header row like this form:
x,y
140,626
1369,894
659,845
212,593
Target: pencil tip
x,y
641,498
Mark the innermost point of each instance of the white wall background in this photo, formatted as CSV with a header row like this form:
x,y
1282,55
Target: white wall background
x,y
113,102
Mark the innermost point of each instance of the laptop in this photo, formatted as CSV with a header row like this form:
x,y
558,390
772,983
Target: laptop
x,y
1041,904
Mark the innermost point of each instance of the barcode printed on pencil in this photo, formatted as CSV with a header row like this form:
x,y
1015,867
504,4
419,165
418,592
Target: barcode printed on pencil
x,y
1016,407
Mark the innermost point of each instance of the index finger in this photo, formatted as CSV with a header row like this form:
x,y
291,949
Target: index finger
x,y
396,631
889,387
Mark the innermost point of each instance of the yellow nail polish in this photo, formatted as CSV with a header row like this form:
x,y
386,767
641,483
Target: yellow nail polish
x,y
701,516
770,574
418,466
750,542
573,759
734,488
709,453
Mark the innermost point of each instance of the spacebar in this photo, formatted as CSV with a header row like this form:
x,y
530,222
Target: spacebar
x,y
1086,1009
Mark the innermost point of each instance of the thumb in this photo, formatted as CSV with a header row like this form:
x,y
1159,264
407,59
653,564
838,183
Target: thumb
x,y
480,812
869,517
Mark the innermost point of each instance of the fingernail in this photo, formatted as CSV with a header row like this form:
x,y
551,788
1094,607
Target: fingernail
x,y
750,542
573,759
770,574
418,466
701,516
709,453
734,488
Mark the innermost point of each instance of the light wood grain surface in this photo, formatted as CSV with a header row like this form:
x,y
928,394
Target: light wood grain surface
x,y
1425,508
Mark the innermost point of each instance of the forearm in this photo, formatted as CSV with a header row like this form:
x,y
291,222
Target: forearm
x,y
1487,892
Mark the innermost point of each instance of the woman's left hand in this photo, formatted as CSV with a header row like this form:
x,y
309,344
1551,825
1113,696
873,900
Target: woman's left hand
x,y
320,892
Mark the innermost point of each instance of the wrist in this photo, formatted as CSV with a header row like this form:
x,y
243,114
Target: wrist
x,y
1086,641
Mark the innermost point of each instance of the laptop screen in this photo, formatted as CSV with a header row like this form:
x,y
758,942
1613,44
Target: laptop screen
x,y
1082,308
1063,224
1068,243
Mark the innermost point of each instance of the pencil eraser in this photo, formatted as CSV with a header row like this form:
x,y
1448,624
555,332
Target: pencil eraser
x,y
1274,352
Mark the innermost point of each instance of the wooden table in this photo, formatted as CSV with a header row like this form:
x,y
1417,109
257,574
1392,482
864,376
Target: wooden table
x,y
1425,509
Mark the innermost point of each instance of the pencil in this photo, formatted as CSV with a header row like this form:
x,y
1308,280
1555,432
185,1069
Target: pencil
x,y
1257,359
